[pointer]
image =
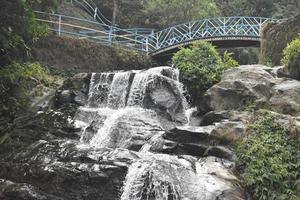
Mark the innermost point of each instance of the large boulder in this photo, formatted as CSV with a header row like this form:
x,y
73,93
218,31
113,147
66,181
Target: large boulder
x,y
162,92
254,86
239,87
285,97
198,141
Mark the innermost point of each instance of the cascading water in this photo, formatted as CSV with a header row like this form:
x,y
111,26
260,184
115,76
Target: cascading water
x,y
118,90
116,97
99,89
124,110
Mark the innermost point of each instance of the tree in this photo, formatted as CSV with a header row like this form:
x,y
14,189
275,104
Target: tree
x,y
262,8
201,67
163,13
19,27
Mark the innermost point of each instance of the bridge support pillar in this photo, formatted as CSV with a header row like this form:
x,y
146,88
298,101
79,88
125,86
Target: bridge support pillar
x,y
147,45
110,36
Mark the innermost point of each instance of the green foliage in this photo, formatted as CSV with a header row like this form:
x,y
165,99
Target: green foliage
x,y
291,58
163,13
19,28
268,160
228,61
201,66
291,53
19,82
263,8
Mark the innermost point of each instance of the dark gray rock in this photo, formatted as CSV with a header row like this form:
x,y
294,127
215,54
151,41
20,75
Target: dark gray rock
x,y
78,82
22,191
80,98
45,101
220,152
217,116
240,87
163,96
74,90
253,86
61,169
285,97
64,97
293,69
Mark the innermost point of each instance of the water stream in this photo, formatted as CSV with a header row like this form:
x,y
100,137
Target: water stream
x,y
124,111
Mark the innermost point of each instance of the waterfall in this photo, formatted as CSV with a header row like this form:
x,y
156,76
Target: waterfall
x,y
118,90
167,177
99,89
120,99
123,111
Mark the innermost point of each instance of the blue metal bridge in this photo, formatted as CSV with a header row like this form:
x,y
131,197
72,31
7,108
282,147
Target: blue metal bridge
x,y
100,30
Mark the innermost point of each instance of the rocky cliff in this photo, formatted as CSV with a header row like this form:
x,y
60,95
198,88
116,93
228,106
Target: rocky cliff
x,y
275,38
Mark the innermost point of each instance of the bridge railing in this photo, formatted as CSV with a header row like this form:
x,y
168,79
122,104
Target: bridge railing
x,y
91,8
86,29
224,28
208,28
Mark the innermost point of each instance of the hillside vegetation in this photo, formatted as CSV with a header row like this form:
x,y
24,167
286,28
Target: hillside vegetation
x,y
162,13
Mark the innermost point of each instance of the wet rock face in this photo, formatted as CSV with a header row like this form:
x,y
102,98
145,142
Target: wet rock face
x,y
128,128
17,191
59,170
254,85
116,146
164,96
156,88
171,177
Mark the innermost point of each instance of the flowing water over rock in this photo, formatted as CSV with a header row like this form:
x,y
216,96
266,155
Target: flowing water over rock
x,y
129,141
124,110
123,107
165,177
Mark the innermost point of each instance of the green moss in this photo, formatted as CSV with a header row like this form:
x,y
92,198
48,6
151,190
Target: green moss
x,y
19,82
268,160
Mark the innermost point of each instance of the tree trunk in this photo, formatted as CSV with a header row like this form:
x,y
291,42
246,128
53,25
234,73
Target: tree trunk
x,y
115,11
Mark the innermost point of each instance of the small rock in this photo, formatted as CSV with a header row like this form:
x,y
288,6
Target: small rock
x,y
220,152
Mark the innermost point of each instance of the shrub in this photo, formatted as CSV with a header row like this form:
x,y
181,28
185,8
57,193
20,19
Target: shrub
x,y
268,160
20,82
201,67
228,61
291,58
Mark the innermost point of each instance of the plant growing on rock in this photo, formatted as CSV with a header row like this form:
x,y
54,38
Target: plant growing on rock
x,y
228,61
291,58
19,82
201,67
268,161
